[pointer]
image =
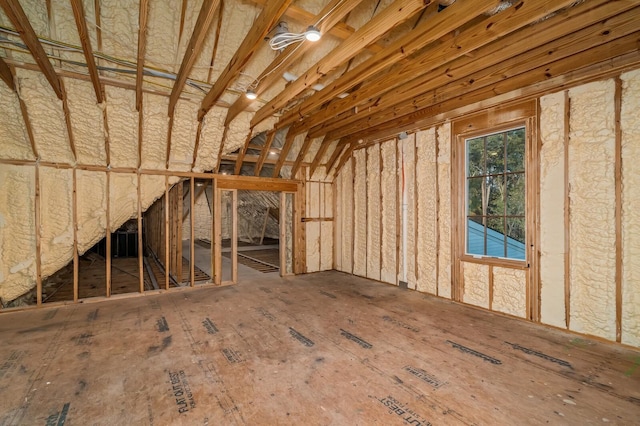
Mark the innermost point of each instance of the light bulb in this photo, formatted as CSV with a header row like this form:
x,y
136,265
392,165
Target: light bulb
x,y
312,33
250,94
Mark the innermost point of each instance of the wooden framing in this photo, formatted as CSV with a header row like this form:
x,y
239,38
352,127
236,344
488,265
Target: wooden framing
x,y
214,51
83,32
264,153
283,227
205,17
396,166
284,152
196,145
27,123
67,121
618,208
192,248
567,212
438,209
108,237
19,19
6,75
142,47
353,213
169,134
74,212
139,236
317,159
105,123
241,154
261,26
36,209
220,148
370,32
303,152
217,234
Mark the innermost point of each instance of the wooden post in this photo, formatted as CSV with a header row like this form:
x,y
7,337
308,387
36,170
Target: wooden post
x,y
167,259
76,265
140,247
490,287
437,166
38,237
567,213
108,237
217,234
380,167
618,209
283,234
192,247
234,236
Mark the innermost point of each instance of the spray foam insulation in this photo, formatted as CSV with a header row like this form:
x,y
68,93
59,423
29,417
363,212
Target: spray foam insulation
x,y
155,124
346,197
86,122
360,214
552,202
46,117
121,41
164,25
592,197
202,221
36,11
444,209
63,28
388,232
373,212
630,124
183,135
210,137
313,228
509,291
56,218
426,177
409,175
151,189
326,227
476,284
17,231
123,199
123,126
238,132
13,131
91,201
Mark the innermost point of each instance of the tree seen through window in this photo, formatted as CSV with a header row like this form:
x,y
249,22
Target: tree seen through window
x,y
495,194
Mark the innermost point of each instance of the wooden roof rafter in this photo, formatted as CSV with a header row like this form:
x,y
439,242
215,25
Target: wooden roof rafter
x,y
266,149
262,25
392,15
203,22
83,32
19,19
6,75
317,159
142,47
331,15
286,147
241,154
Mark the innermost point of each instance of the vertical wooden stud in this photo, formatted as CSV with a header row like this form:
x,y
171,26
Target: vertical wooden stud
x,y
353,213
398,170
567,212
618,209
217,234
167,259
76,265
366,213
283,226
108,237
380,167
140,247
192,246
234,236
490,287
437,214
38,237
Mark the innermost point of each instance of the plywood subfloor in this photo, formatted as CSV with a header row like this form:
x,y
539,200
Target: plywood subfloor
x,y
319,349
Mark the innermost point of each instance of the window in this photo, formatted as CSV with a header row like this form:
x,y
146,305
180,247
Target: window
x,y
495,194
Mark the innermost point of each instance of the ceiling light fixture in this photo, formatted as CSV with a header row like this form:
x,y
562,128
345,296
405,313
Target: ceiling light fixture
x,y
281,40
251,94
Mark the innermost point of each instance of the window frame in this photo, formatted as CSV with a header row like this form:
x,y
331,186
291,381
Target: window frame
x,y
503,174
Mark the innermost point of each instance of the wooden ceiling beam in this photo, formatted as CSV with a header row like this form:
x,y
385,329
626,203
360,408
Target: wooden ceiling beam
x,y
6,75
338,150
19,19
261,26
83,32
344,157
438,26
317,159
264,153
553,37
205,17
341,30
614,56
241,154
288,143
303,152
392,15
332,13
438,55
142,47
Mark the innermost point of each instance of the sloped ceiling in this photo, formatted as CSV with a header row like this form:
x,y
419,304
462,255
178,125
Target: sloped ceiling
x,y
157,84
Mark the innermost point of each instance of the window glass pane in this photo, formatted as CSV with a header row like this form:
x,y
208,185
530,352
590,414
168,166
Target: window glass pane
x,y
495,154
474,196
475,157
515,242
515,195
515,150
475,235
495,237
494,195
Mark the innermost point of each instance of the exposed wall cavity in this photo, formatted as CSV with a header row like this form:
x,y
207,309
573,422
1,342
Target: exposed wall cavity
x,y
123,126
183,135
592,197
86,121
388,207
123,198
17,231
552,201
444,210
509,292
155,124
56,220
373,212
476,284
360,214
91,196
407,172
346,222
326,227
13,133
426,189
630,125
46,117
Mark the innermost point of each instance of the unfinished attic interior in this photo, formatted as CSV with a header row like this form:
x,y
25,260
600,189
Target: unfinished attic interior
x,y
324,211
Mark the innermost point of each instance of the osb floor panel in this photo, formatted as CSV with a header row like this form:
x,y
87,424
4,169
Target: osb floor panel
x,y
319,349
